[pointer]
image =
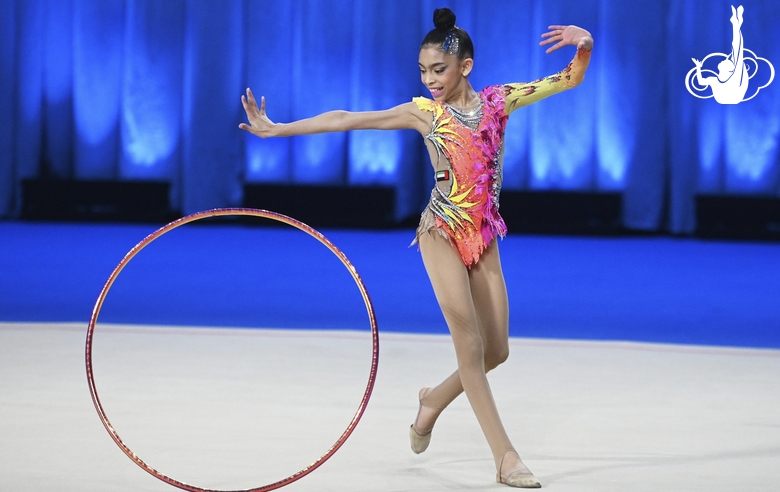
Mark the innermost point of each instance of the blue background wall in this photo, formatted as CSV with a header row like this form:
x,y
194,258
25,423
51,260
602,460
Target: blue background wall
x,y
149,89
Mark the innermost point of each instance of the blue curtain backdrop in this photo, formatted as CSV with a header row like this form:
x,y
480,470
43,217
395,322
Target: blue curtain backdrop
x,y
149,90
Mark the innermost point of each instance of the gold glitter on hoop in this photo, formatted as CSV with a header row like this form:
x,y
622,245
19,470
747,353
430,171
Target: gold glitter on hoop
x,y
218,213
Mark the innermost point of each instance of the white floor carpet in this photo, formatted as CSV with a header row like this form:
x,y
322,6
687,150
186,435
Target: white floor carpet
x,y
236,409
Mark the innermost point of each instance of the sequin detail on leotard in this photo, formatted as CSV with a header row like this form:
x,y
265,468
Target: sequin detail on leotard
x,y
471,145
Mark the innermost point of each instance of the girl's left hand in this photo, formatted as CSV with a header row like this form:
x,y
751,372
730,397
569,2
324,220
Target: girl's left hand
x,y
567,35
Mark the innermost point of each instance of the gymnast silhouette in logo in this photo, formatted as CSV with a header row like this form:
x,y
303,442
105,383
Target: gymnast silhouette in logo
x,y
730,84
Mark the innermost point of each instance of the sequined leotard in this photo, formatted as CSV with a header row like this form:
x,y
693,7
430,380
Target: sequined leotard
x,y
468,153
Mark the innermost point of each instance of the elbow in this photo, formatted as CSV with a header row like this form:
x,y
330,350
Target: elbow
x,y
574,80
342,121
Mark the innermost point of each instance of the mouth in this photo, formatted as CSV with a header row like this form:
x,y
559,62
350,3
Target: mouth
x,y
436,91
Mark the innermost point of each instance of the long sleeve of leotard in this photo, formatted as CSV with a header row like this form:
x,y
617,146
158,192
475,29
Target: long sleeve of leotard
x,y
519,95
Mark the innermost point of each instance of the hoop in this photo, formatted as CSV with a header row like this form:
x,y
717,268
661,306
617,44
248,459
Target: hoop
x,y
217,213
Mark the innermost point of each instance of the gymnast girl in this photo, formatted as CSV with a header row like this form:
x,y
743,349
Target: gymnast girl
x,y
464,133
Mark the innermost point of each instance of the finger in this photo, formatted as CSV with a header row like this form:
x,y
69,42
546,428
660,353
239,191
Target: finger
x,y
249,109
557,28
250,97
250,129
251,104
262,105
550,40
555,47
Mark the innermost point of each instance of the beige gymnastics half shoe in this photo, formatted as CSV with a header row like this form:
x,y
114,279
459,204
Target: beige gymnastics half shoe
x,y
419,439
523,479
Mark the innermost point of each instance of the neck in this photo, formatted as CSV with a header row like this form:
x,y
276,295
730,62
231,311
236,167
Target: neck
x,y
465,98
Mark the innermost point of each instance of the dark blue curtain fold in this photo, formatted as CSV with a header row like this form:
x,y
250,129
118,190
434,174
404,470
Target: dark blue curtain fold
x,y
152,83
28,135
268,28
631,136
7,107
321,71
149,90
211,171
98,48
57,108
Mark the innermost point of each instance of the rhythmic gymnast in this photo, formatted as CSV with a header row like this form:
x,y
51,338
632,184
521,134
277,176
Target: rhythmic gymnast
x,y
464,133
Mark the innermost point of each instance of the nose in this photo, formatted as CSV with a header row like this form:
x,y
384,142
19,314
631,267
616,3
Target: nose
x,y
427,79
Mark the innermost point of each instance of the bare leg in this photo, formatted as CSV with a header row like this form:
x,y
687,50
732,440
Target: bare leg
x,y
489,296
475,307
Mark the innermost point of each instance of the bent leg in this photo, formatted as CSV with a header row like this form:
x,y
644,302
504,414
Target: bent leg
x,y
451,282
489,297
488,290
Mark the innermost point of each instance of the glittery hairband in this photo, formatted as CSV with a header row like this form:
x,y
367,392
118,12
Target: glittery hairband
x,y
451,42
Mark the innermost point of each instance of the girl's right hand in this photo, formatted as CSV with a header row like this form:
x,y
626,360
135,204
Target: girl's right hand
x,y
565,36
259,123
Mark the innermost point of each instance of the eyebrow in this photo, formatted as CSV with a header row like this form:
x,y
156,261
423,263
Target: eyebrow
x,y
432,65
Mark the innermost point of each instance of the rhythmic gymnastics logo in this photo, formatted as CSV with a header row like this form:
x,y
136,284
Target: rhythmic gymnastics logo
x,y
730,83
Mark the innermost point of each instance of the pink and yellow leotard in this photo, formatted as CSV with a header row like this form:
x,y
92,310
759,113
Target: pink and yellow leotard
x,y
468,149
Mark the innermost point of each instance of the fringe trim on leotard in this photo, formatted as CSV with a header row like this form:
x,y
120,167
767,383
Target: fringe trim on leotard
x,y
428,226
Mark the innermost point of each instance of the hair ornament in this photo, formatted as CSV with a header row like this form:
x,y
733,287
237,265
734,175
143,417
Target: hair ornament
x,y
452,42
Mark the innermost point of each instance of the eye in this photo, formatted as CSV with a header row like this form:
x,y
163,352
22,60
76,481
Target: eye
x,y
440,70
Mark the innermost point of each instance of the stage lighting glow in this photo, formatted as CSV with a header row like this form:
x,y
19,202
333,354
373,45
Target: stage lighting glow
x,y
374,156
752,149
267,160
614,158
321,158
150,133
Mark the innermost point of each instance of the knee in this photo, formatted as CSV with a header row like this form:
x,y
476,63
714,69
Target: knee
x,y
496,355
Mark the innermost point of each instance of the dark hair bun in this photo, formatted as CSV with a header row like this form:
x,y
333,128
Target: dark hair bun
x,y
444,19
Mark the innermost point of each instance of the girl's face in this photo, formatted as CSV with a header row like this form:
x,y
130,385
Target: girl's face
x,y
441,73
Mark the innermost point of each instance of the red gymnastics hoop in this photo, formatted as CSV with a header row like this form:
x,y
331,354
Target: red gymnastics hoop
x,y
217,213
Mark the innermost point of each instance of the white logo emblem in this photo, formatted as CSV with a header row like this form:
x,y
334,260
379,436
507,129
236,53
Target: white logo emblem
x,y
730,84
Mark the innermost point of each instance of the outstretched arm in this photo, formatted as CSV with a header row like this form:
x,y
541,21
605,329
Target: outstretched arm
x,y
404,116
519,95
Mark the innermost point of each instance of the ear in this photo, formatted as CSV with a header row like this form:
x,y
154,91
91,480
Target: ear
x,y
466,65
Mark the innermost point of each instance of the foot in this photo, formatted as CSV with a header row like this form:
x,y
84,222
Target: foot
x,y
420,431
512,472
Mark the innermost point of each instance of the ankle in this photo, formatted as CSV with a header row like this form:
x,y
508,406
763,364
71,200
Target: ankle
x,y
510,463
426,416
